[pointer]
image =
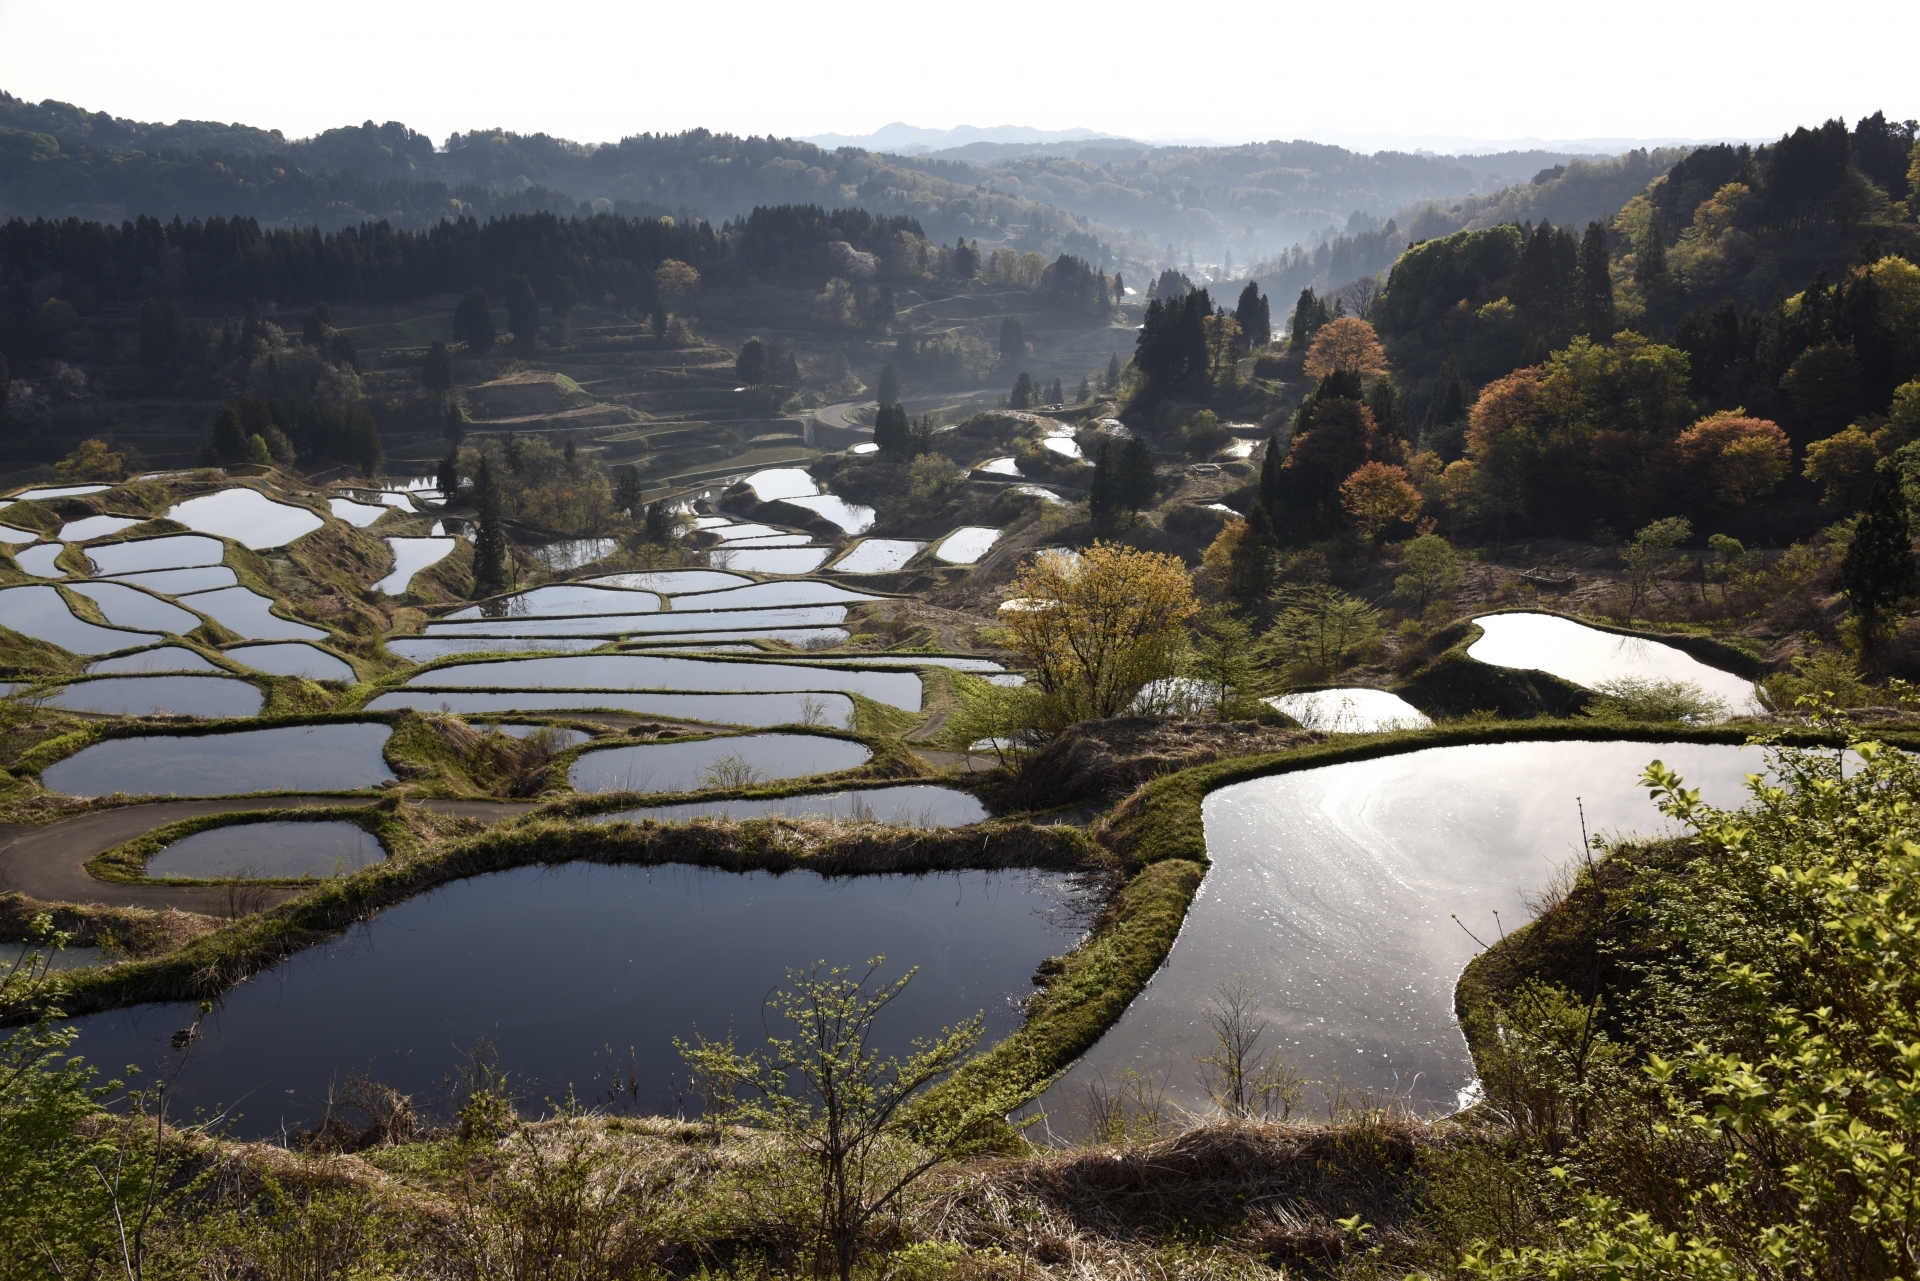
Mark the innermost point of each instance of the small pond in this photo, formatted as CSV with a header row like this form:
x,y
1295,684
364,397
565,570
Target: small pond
x,y
781,482
296,758
1043,494
1000,467
1335,890
1351,711
732,532
879,555
247,516
38,561
626,960
173,582
277,850
912,805
558,601
171,551
851,517
558,734
417,649
293,659
61,491
770,540
806,638
1065,446
213,697
247,615
561,557
166,658
649,672
750,710
762,595
673,581
39,612
966,545
770,560
740,761
1588,656
359,515
638,624
14,537
410,556
125,606
79,531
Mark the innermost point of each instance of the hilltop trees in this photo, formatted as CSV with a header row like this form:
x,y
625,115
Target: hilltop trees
x,y
1173,351
473,322
1254,317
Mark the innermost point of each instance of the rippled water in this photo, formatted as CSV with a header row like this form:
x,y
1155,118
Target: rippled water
x,y
293,659
913,805
1588,656
125,606
40,613
1351,711
247,516
834,711
171,551
246,614
272,850
310,758
410,556
878,555
966,545
654,672
1335,891
214,697
690,766
628,958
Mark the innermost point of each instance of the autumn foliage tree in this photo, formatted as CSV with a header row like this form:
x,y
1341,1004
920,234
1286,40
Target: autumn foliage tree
x,y
1377,497
1348,343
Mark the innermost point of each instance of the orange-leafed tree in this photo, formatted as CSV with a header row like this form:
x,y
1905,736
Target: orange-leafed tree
x,y
1377,497
1348,343
1734,458
676,282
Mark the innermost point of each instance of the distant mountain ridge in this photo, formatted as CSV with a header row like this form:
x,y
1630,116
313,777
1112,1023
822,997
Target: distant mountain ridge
x,y
911,140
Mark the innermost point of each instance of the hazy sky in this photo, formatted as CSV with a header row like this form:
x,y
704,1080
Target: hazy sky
x,y
1194,69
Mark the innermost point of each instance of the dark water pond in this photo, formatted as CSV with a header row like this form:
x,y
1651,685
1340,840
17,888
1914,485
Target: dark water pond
x,y
556,733
295,758
421,650
1334,891
125,606
650,672
738,761
271,850
292,659
173,582
249,615
579,972
214,697
171,551
832,710
561,600
165,658
914,805
638,624
39,612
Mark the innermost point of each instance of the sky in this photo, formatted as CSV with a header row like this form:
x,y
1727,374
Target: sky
x,y
1382,73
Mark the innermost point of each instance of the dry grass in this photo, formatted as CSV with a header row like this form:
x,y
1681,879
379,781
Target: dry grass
x,y
131,931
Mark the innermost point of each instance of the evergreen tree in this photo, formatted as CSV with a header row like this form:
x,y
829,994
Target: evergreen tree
x,y
1055,396
1270,478
473,323
523,310
1111,380
659,523
1256,321
1650,267
454,426
565,297
1119,288
1250,570
253,326
570,453
515,450
161,324
1596,284
1085,393
436,375
1103,499
888,391
751,366
319,325
447,474
363,437
626,488
1878,569
1449,398
1022,397
1137,485
1013,340
892,433
229,438
1384,401
1309,313
343,351
491,566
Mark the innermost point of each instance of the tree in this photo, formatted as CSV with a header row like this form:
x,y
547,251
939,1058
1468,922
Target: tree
x,y
627,489
454,425
888,390
436,374
1256,321
1022,395
473,322
447,475
1433,570
1318,626
1733,459
1648,556
1270,476
1103,506
1377,497
675,282
660,523
750,367
844,1105
229,438
523,310
1348,343
491,566
1013,342
91,461
1309,313
964,262
564,298
317,329
343,352
1085,393
1223,662
1878,568
1111,379
1250,563
1096,632
1137,485
892,433
1596,284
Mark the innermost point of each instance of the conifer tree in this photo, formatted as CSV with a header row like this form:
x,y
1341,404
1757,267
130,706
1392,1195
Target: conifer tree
x,y
1256,321
229,438
659,523
523,310
1878,569
888,390
564,297
1013,340
1596,284
1022,397
436,375
473,323
751,366
454,426
1250,570
490,564
447,475
1103,505
1270,478
1138,487
319,325
1384,401
892,433
1111,380
626,488
1085,393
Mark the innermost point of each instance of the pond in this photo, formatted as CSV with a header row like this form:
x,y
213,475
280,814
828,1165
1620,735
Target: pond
x,y
14,537
673,581
834,711
1065,446
1335,890
170,551
911,805
556,733
781,482
125,606
60,491
293,659
966,544
359,515
1588,656
420,650
247,615
634,624
741,761
1351,711
770,540
1044,495
760,595
410,556
40,612
1000,467
732,532
558,558
555,966
166,658
769,560
79,531
173,582
851,517
653,672
307,758
38,561
279,849
878,555
560,601
213,697
805,638
247,516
